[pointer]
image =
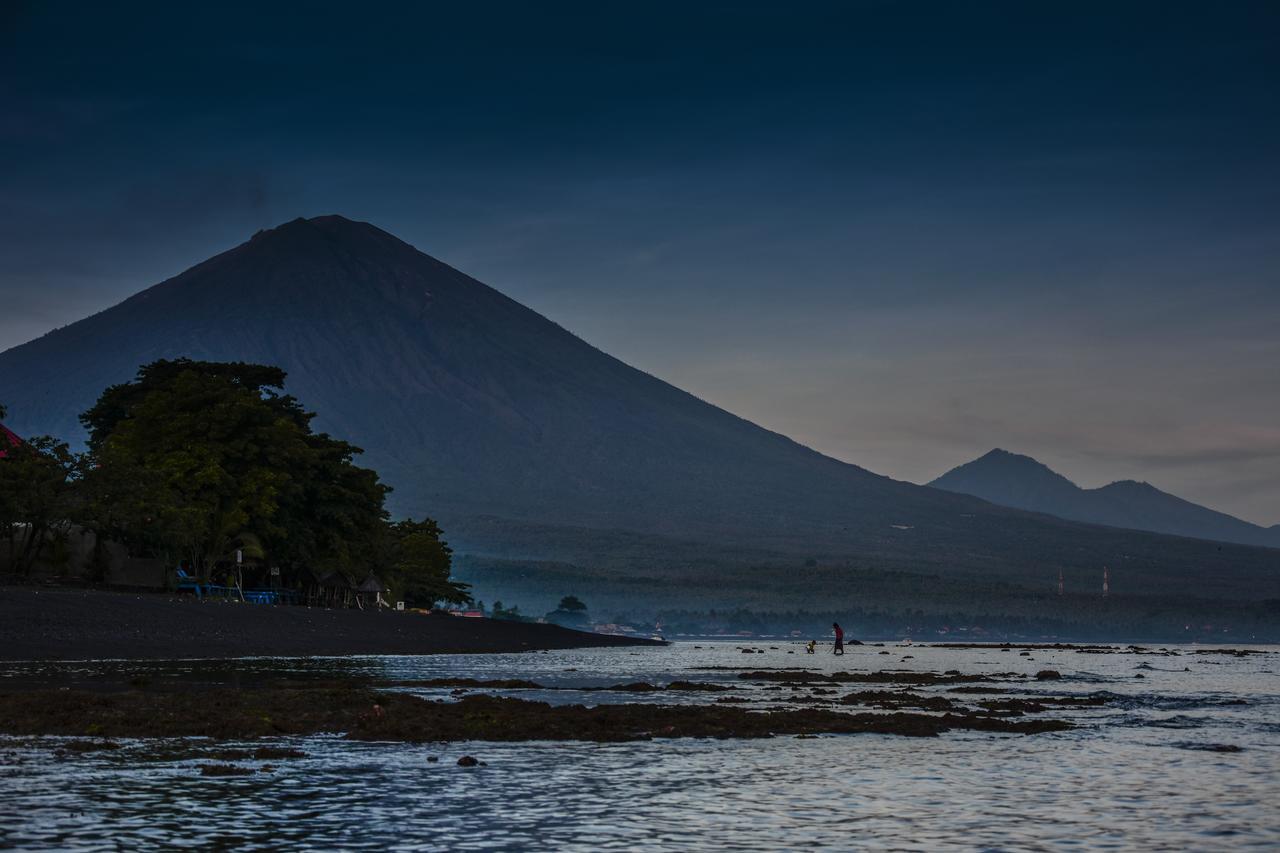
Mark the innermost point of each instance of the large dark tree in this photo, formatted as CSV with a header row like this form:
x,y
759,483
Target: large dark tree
x,y
417,562
120,402
37,500
192,454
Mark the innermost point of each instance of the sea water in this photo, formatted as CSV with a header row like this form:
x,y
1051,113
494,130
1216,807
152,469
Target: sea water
x,y
1144,771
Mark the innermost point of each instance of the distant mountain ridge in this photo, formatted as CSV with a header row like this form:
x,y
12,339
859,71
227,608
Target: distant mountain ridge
x,y
1021,482
527,443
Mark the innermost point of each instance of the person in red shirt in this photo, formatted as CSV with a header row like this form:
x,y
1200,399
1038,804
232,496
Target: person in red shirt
x,y
839,648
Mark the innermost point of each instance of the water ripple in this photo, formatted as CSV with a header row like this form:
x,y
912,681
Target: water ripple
x,y
1145,771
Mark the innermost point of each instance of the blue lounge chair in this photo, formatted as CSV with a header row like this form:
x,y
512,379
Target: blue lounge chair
x,y
189,582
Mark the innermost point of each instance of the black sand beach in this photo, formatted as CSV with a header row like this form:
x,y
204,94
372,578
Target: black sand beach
x,y
72,624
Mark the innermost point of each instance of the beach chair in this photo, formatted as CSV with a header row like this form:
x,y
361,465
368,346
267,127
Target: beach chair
x,y
261,596
189,583
216,590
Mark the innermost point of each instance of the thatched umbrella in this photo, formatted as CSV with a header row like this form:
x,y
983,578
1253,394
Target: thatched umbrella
x,y
372,586
336,587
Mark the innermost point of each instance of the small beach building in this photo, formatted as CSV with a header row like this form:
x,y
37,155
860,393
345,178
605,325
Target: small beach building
x,y
309,580
8,438
336,590
370,592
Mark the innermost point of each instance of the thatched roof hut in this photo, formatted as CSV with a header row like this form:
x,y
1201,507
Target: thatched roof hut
x,y
333,589
335,579
372,584
370,590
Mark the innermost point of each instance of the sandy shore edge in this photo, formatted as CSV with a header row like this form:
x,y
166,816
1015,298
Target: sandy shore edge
x,y
84,624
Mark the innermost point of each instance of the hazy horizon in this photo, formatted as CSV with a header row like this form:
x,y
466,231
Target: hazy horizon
x,y
901,239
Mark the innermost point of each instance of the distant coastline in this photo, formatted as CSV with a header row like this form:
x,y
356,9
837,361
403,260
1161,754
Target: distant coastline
x,y
84,624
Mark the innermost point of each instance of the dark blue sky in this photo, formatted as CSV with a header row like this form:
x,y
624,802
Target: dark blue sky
x,y
902,233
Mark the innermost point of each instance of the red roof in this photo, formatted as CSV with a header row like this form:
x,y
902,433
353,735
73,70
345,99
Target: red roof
x,y
7,437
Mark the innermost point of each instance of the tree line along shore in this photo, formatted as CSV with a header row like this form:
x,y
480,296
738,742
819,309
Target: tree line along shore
x,y
208,475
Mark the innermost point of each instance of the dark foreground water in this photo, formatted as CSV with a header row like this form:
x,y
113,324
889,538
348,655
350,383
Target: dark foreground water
x,y
1143,772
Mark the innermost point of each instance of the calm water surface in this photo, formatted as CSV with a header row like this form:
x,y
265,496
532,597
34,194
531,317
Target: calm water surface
x,y
1138,773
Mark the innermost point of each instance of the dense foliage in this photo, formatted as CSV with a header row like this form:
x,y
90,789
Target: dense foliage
x,y
508,614
419,563
191,460
37,500
571,612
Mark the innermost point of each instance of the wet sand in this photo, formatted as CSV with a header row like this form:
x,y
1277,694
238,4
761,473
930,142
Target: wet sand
x,y
73,624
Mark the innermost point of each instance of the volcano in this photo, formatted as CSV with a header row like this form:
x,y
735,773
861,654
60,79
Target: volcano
x,y
528,442
1011,479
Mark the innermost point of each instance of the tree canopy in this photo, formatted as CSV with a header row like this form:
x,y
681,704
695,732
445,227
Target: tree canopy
x,y
570,612
120,402
38,499
192,456
419,562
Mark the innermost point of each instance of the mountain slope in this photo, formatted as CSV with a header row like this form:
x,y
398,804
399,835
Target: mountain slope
x,y
463,397
1013,480
526,441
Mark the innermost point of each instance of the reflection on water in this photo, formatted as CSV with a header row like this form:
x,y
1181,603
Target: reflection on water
x,y
1139,772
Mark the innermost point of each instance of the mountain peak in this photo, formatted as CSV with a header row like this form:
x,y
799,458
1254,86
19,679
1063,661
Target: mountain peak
x,y
1132,487
1013,480
330,222
304,234
1004,462
1008,457
323,268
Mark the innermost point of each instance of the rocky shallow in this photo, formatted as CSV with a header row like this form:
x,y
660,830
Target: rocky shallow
x,y
371,712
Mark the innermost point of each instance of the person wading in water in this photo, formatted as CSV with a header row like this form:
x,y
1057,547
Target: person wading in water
x,y
839,648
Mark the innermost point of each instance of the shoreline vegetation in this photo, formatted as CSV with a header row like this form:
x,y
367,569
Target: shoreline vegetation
x,y
81,624
208,475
